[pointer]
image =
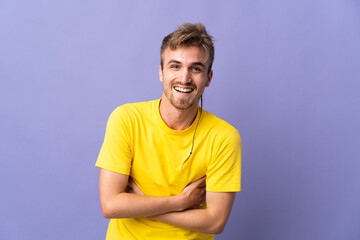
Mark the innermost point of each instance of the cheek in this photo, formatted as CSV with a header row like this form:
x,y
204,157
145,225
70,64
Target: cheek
x,y
204,83
169,77
166,83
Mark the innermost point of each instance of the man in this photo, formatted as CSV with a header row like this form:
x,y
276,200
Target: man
x,y
166,150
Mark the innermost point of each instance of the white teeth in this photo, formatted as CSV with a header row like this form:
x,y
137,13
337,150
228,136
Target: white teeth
x,y
184,90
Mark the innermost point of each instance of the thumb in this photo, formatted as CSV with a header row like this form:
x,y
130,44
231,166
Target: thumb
x,y
198,182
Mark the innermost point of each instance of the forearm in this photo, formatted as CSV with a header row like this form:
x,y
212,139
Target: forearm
x,y
128,205
200,220
117,202
212,219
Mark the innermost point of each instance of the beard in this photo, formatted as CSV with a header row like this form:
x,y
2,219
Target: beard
x,y
184,102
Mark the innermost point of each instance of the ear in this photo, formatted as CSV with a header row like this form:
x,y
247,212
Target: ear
x,y
160,73
209,77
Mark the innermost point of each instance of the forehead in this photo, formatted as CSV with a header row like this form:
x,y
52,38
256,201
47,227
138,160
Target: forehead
x,y
186,54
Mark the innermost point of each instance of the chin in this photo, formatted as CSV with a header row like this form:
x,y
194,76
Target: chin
x,y
183,106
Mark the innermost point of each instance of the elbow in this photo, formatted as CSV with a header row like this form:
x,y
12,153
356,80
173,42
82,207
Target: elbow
x,y
115,207
106,215
217,226
217,229
106,211
110,209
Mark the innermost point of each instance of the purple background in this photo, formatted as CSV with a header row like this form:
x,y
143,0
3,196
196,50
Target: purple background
x,y
286,74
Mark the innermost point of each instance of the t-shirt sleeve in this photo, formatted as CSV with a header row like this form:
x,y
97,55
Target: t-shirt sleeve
x,y
224,171
115,154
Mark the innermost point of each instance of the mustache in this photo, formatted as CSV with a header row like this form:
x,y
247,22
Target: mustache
x,y
180,84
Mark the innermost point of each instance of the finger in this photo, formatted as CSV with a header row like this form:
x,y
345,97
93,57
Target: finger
x,y
202,179
198,182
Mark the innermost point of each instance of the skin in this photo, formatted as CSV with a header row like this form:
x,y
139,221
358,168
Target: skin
x,y
116,202
210,220
184,76
186,68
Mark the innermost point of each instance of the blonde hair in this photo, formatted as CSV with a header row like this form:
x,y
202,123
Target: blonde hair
x,y
189,34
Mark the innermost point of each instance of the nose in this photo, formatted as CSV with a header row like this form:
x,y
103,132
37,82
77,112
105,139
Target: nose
x,y
185,76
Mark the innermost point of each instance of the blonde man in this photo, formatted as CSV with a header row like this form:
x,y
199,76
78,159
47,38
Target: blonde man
x,y
162,159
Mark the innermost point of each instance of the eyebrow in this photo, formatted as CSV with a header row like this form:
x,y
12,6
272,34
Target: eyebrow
x,y
199,64
195,63
173,61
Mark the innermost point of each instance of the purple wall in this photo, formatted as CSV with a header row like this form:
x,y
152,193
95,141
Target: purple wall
x,y
286,74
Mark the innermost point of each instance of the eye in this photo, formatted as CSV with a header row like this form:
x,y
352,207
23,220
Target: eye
x,y
175,66
197,69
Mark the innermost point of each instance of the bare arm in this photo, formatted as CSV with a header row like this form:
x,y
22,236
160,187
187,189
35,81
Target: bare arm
x,y
210,220
116,203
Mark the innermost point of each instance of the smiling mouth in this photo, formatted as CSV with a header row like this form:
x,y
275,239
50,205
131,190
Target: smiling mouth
x,y
183,89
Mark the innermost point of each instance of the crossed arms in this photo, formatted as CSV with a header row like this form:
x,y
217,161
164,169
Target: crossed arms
x,y
181,210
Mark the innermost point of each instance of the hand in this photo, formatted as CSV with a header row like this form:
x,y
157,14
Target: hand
x,y
194,194
133,188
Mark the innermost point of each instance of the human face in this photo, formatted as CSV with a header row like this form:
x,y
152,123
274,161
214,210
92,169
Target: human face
x,y
184,76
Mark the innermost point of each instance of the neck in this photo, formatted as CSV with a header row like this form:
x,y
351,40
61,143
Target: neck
x,y
177,119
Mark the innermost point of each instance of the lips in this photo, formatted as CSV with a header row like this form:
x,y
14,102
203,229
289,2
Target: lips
x,y
183,89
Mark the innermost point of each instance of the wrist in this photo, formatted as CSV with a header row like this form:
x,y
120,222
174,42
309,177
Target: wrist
x,y
180,202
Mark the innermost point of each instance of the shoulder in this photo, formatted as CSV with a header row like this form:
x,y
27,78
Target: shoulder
x,y
216,124
131,113
218,129
134,109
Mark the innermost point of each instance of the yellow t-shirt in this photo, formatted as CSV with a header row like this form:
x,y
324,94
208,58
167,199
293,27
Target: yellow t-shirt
x,y
138,143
